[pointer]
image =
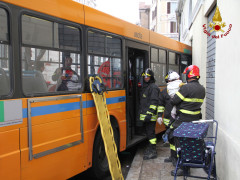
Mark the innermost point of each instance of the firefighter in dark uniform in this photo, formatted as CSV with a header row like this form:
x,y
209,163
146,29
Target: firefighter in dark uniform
x,y
165,106
188,100
148,111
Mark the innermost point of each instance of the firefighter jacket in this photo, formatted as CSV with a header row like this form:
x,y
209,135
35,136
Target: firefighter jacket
x,y
149,101
188,100
165,106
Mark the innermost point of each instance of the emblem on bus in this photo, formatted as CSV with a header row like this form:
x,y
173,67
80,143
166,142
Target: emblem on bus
x,y
217,25
138,35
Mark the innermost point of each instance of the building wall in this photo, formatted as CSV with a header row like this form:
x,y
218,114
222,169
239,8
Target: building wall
x,y
199,49
161,23
144,13
227,66
192,34
153,20
144,18
227,97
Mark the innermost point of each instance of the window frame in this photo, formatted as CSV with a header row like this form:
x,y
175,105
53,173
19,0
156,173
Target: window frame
x,y
80,52
159,62
8,43
173,27
168,7
177,54
54,20
188,59
105,54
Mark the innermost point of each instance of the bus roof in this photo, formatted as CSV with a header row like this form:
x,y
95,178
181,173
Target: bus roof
x,y
79,13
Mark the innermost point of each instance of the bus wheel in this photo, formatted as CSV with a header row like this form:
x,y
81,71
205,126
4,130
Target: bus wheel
x,y
99,162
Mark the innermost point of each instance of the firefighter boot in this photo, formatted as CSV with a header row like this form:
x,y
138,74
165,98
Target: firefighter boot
x,y
152,153
168,160
147,149
172,158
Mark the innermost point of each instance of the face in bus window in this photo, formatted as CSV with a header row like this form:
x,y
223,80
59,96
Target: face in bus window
x,y
68,62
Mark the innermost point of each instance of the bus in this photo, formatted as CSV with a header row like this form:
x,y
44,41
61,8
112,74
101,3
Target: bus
x,y
48,123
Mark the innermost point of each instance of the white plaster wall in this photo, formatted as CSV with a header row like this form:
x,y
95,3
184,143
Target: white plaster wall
x,y
227,93
199,47
184,23
227,82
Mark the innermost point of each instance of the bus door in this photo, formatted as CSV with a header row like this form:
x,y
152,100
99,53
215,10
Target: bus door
x,y
137,61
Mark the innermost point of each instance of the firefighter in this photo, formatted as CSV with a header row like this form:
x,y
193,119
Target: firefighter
x,y
188,100
148,111
166,107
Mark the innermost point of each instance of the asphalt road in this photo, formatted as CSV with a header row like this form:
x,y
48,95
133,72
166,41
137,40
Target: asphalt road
x,y
125,158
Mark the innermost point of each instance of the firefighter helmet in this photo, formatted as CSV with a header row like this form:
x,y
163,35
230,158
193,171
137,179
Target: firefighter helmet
x,y
192,72
167,75
148,73
171,76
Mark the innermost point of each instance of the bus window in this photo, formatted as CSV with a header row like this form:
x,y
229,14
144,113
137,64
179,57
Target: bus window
x,y
154,55
173,62
46,69
36,31
113,46
158,65
185,62
108,65
162,56
4,54
108,69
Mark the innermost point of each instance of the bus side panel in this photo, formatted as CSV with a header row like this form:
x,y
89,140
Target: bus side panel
x,y
120,116
100,20
55,123
64,9
166,42
116,101
9,155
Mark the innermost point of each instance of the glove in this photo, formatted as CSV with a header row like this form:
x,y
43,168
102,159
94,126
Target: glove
x,y
159,120
148,118
165,136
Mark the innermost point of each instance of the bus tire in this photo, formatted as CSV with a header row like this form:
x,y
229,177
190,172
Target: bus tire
x,y
100,166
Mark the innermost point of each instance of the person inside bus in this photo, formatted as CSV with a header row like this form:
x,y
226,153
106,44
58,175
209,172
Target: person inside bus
x,y
39,66
67,79
148,111
35,82
4,81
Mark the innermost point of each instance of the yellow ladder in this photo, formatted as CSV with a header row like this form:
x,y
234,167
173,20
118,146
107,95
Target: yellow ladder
x,y
106,129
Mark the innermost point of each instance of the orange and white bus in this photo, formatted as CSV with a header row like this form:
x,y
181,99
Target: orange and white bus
x,y
49,129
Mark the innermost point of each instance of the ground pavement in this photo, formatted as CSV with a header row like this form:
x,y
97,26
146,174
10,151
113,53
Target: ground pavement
x,y
155,169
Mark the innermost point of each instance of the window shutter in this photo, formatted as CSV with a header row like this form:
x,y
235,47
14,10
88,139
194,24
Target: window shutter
x,y
171,27
168,7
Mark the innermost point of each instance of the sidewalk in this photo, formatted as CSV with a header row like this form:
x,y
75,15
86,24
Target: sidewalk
x,y
155,169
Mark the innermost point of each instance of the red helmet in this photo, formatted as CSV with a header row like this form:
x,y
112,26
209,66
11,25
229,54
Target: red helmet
x,y
192,71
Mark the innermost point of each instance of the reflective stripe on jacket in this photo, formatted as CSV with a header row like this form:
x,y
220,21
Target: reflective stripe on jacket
x,y
149,101
189,100
165,106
